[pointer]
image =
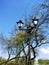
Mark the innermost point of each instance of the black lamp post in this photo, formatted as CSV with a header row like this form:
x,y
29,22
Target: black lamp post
x,y
29,29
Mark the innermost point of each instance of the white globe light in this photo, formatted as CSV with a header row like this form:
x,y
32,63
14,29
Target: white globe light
x,y
35,22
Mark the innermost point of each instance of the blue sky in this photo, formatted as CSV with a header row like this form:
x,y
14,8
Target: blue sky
x,y
13,10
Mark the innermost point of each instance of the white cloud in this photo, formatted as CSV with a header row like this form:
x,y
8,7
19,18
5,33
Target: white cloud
x,y
45,50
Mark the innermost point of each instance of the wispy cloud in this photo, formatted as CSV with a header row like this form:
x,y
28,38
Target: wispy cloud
x,y
45,50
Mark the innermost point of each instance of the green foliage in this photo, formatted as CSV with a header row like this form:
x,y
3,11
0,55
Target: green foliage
x,y
22,61
2,60
45,62
32,62
20,37
12,63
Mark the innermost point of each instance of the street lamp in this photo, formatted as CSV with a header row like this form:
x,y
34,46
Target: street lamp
x,y
35,21
20,24
28,29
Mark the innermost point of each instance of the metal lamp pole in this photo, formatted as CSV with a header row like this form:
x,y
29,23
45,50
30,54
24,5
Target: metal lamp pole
x,y
29,29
